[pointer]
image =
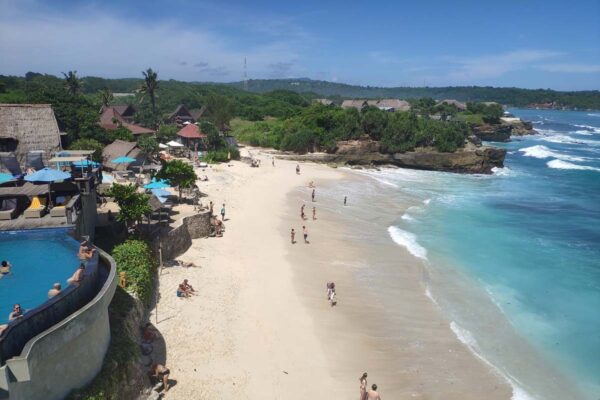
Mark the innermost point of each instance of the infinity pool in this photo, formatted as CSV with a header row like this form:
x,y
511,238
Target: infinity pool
x,y
39,258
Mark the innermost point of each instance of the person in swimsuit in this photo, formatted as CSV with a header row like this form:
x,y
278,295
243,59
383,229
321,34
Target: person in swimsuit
x,y
17,312
293,235
345,199
188,287
313,195
297,169
223,212
363,386
314,213
85,251
160,373
54,291
182,291
78,275
5,268
302,215
305,233
373,395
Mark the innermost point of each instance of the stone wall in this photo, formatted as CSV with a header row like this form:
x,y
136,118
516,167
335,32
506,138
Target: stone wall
x,y
66,356
179,239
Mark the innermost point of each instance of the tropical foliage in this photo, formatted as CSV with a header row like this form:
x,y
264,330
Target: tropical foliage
x,y
178,173
133,206
134,258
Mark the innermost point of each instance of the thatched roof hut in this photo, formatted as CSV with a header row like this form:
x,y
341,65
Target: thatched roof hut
x,y
121,148
26,127
111,119
452,102
180,115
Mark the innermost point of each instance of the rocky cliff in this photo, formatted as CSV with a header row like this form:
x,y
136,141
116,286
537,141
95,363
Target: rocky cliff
x,y
472,158
502,132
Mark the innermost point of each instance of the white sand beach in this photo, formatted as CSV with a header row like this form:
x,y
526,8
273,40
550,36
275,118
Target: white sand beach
x,y
260,325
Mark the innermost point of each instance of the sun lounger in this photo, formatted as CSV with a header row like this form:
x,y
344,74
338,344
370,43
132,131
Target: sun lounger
x,y
36,209
35,160
60,210
8,209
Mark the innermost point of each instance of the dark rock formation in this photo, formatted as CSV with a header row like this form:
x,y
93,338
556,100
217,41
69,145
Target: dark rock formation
x,y
471,159
493,133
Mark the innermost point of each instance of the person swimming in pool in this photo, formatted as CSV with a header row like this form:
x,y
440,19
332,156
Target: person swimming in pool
x,y
5,268
17,312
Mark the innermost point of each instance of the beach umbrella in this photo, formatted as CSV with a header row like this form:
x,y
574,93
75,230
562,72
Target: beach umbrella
x,y
123,160
6,177
173,143
48,175
162,184
163,146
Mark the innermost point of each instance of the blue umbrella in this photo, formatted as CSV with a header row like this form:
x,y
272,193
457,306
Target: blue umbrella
x,y
123,160
85,163
48,175
157,185
161,193
6,177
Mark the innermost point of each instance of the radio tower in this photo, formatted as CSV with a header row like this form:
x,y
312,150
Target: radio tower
x,y
245,75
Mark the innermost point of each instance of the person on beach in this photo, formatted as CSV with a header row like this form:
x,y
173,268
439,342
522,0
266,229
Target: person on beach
x,y
273,161
373,395
345,199
331,294
54,291
302,215
223,212
5,268
305,233
313,195
293,235
182,291
363,386
314,213
297,169
311,184
78,275
187,286
211,207
160,373
17,312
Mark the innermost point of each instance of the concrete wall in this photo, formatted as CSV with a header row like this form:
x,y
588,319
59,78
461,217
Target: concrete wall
x,y
66,356
178,240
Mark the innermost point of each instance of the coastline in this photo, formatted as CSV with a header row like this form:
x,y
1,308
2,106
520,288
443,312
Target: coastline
x,y
261,324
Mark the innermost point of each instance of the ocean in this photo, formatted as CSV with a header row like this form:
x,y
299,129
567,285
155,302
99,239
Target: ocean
x,y
512,259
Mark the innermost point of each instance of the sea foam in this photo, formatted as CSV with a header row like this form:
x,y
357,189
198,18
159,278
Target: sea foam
x,y
560,164
409,241
540,151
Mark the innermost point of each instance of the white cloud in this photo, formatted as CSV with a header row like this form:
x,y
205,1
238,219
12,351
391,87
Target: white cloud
x,y
571,68
96,43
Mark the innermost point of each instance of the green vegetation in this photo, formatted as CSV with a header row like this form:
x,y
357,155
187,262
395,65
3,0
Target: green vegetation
x,y
89,144
135,259
178,173
217,156
133,206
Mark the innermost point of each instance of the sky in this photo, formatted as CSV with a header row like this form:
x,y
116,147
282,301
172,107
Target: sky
x,y
521,43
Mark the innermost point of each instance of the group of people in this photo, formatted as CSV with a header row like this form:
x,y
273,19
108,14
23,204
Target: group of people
x,y
185,289
365,393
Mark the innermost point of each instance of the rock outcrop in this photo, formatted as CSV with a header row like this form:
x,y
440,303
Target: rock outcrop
x,y
502,132
472,158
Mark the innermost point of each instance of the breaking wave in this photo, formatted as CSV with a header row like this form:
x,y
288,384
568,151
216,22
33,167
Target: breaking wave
x,y
540,151
560,164
409,241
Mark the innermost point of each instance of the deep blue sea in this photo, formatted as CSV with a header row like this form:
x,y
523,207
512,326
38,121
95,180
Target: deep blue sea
x,y
529,237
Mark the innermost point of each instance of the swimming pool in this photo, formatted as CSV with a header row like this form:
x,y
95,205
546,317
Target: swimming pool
x,y
39,258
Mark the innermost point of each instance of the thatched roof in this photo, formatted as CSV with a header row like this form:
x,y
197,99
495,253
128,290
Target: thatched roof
x,y
358,104
198,112
181,113
120,148
452,102
111,119
33,126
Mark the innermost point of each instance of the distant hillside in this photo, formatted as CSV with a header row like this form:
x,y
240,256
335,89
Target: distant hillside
x,y
509,96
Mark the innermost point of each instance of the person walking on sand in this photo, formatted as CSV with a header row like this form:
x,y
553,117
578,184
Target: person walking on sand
x,y
314,213
297,169
273,161
345,199
373,395
293,235
223,212
302,215
313,195
363,386
305,233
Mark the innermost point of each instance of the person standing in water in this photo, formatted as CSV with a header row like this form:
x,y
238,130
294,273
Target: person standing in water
x,y
302,215
345,199
314,213
293,235
313,195
305,233
373,395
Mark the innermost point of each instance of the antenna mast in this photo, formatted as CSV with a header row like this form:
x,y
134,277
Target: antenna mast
x,y
245,75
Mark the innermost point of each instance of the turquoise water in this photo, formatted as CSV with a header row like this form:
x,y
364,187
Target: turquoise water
x,y
529,235
39,258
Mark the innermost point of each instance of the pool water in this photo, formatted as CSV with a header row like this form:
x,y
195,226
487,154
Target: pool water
x,y
39,258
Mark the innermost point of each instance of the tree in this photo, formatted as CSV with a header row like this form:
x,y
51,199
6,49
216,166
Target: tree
x,y
373,122
89,144
132,205
220,108
400,133
72,82
106,96
166,133
214,139
121,133
148,146
178,173
150,86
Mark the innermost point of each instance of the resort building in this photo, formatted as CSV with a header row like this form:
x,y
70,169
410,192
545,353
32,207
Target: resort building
x,y
111,119
383,104
191,136
460,105
180,116
28,128
121,148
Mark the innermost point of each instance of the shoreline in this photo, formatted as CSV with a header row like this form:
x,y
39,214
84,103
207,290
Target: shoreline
x,y
261,324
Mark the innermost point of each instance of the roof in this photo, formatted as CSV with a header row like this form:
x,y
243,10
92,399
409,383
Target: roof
x,y
119,148
28,189
66,159
455,103
124,109
385,104
33,126
191,131
198,112
181,111
111,119
358,104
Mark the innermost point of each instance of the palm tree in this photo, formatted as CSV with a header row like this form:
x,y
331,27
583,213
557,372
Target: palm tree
x,y
72,82
106,96
150,86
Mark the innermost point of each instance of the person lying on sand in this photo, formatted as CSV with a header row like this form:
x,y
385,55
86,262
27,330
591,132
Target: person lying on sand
x,y
78,275
186,264
160,373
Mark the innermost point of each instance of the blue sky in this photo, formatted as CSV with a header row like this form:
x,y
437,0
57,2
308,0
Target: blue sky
x,y
532,44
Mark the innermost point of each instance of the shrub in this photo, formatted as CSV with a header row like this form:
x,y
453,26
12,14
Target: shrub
x,y
218,156
135,259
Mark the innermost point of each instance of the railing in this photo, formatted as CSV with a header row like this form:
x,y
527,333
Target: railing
x,y
54,310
